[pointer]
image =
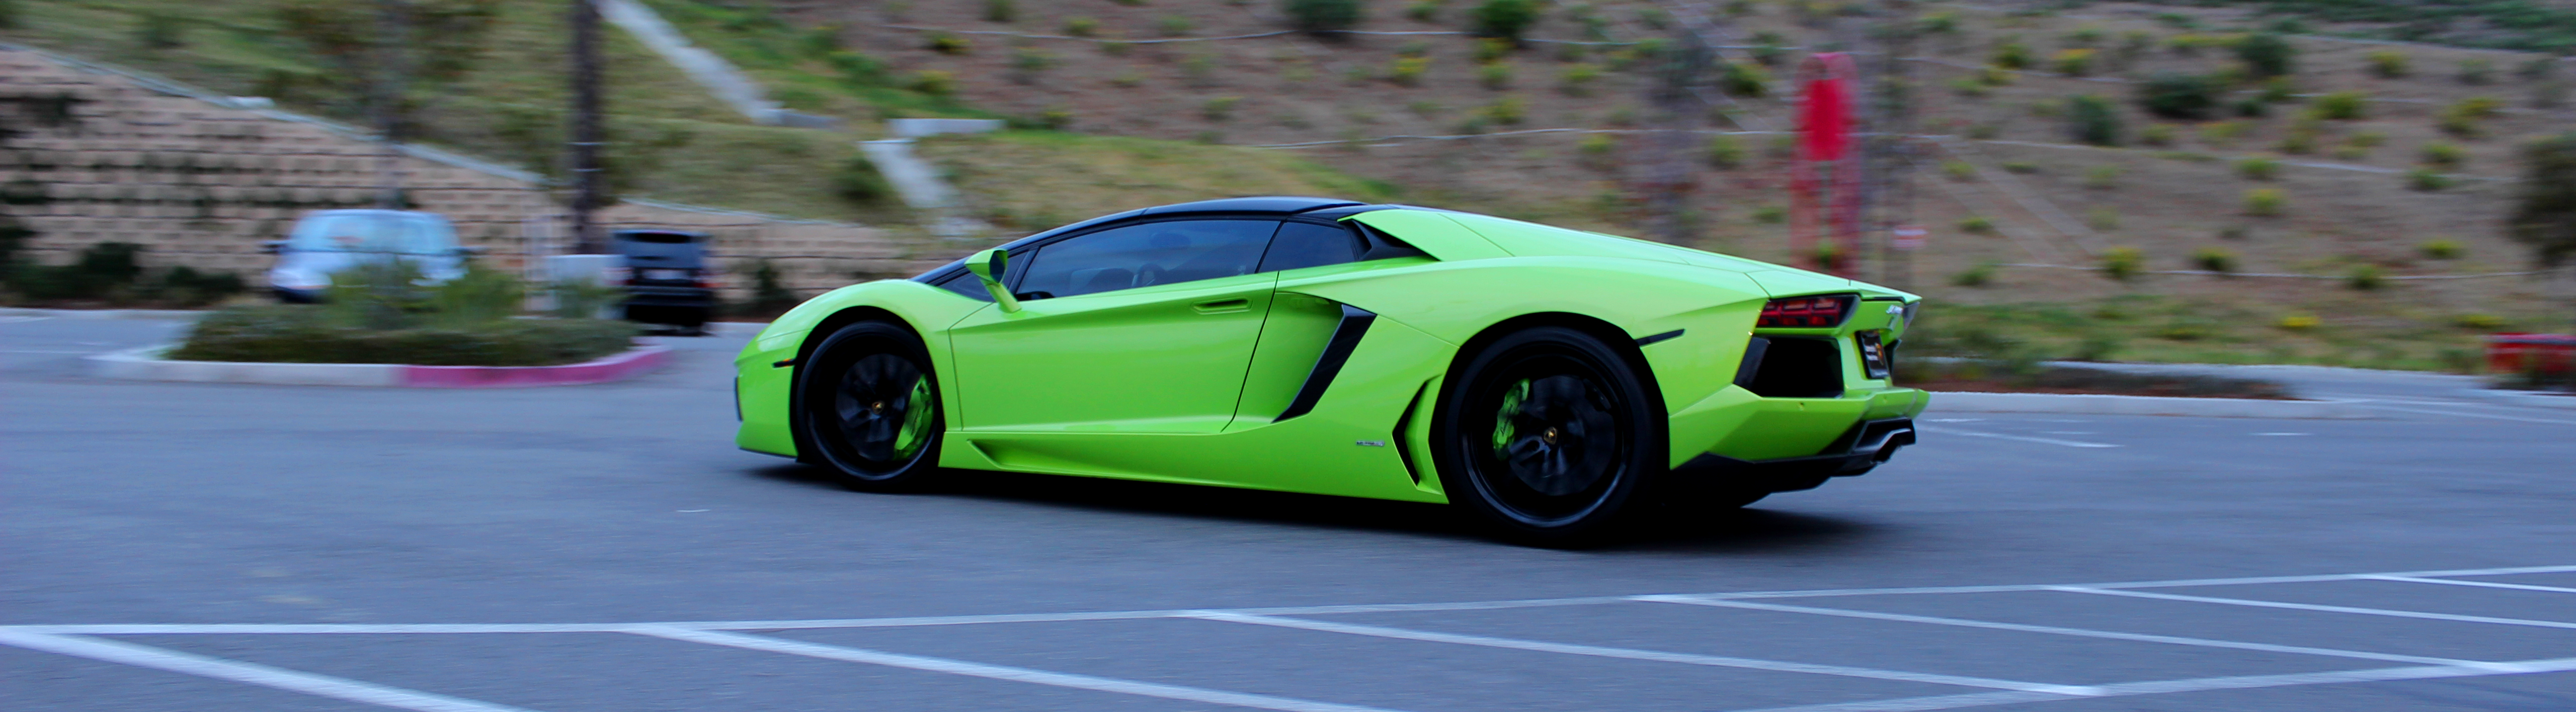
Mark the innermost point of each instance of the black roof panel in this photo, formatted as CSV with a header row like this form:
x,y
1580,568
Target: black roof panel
x,y
1281,204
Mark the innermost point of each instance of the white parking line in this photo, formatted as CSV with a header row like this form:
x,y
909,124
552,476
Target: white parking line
x,y
2054,630
2001,436
1649,655
996,672
906,621
2479,584
251,673
2314,607
2161,687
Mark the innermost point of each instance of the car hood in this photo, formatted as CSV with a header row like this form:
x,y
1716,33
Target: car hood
x,y
1528,239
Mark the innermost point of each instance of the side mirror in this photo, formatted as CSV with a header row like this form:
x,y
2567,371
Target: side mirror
x,y
989,266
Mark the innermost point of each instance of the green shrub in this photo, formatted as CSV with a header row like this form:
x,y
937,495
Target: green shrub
x,y
2278,90
2072,62
2091,119
2102,177
8,14
2258,168
2342,106
2250,108
1496,76
859,182
1770,214
2265,202
1322,15
1424,10
945,43
2012,55
1978,276
2157,135
2266,55
1081,27
2175,95
2441,249
2022,167
2213,259
1408,70
2123,263
1220,108
2103,218
2388,63
1505,19
2479,322
310,334
1725,152
2365,277
1959,170
1172,25
1745,80
2440,154
1977,225
932,82
2427,180
2477,71
154,30
1577,79
1001,11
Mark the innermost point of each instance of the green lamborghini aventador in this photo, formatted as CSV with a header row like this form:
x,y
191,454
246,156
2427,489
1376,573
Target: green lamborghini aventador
x,y
1551,381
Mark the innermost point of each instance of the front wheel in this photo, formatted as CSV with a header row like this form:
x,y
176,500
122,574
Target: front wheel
x,y
868,403
1548,435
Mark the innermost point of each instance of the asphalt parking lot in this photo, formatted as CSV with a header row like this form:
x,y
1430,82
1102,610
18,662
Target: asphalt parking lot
x,y
228,547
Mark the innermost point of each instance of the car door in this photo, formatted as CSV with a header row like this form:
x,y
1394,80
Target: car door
x,y
1142,327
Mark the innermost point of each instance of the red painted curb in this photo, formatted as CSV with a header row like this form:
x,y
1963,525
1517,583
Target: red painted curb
x,y
617,367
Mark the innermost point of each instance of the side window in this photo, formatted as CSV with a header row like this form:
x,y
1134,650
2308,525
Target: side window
x,y
964,282
1311,245
1146,255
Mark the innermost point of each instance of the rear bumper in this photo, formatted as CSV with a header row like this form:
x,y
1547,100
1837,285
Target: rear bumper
x,y
1857,451
670,297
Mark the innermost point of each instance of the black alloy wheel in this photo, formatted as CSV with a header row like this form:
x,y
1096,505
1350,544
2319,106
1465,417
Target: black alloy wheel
x,y
868,404
1549,435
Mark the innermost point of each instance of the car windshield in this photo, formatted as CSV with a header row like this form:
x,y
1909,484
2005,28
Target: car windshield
x,y
372,232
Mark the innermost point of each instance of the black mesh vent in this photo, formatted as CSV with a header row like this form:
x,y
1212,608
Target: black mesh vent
x,y
1798,368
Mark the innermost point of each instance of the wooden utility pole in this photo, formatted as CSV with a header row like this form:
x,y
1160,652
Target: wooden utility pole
x,y
393,47
585,127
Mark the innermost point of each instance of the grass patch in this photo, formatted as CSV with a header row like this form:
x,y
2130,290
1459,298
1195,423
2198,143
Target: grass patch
x,y
1034,180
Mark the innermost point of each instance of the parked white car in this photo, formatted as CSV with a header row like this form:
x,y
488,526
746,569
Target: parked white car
x,y
328,241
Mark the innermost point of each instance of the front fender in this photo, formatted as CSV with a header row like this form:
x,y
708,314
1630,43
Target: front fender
x,y
766,366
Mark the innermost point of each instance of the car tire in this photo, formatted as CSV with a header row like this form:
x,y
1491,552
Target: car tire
x,y
868,403
1548,436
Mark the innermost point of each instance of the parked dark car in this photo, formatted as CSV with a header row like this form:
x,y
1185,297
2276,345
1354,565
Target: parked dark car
x,y
667,280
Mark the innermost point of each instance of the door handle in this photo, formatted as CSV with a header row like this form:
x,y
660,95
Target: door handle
x,y
1223,306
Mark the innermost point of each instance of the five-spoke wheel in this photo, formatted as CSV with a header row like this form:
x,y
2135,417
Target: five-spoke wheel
x,y
1547,433
868,405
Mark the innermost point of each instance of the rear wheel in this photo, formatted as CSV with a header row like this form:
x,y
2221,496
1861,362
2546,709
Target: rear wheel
x,y
869,404
1548,435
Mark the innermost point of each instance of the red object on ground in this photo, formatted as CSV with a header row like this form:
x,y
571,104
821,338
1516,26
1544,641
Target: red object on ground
x,y
2516,353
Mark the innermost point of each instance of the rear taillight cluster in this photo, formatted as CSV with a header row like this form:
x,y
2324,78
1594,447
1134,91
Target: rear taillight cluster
x,y
1805,313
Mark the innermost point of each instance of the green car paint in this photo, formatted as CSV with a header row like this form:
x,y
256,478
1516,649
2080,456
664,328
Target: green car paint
x,y
1186,382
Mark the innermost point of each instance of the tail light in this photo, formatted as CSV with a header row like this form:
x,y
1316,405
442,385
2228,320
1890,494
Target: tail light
x,y
1805,312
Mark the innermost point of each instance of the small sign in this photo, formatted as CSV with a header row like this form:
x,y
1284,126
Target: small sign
x,y
1907,237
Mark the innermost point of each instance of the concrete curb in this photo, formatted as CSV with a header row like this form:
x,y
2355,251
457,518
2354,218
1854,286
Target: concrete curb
x,y
2522,398
173,314
146,364
2091,404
